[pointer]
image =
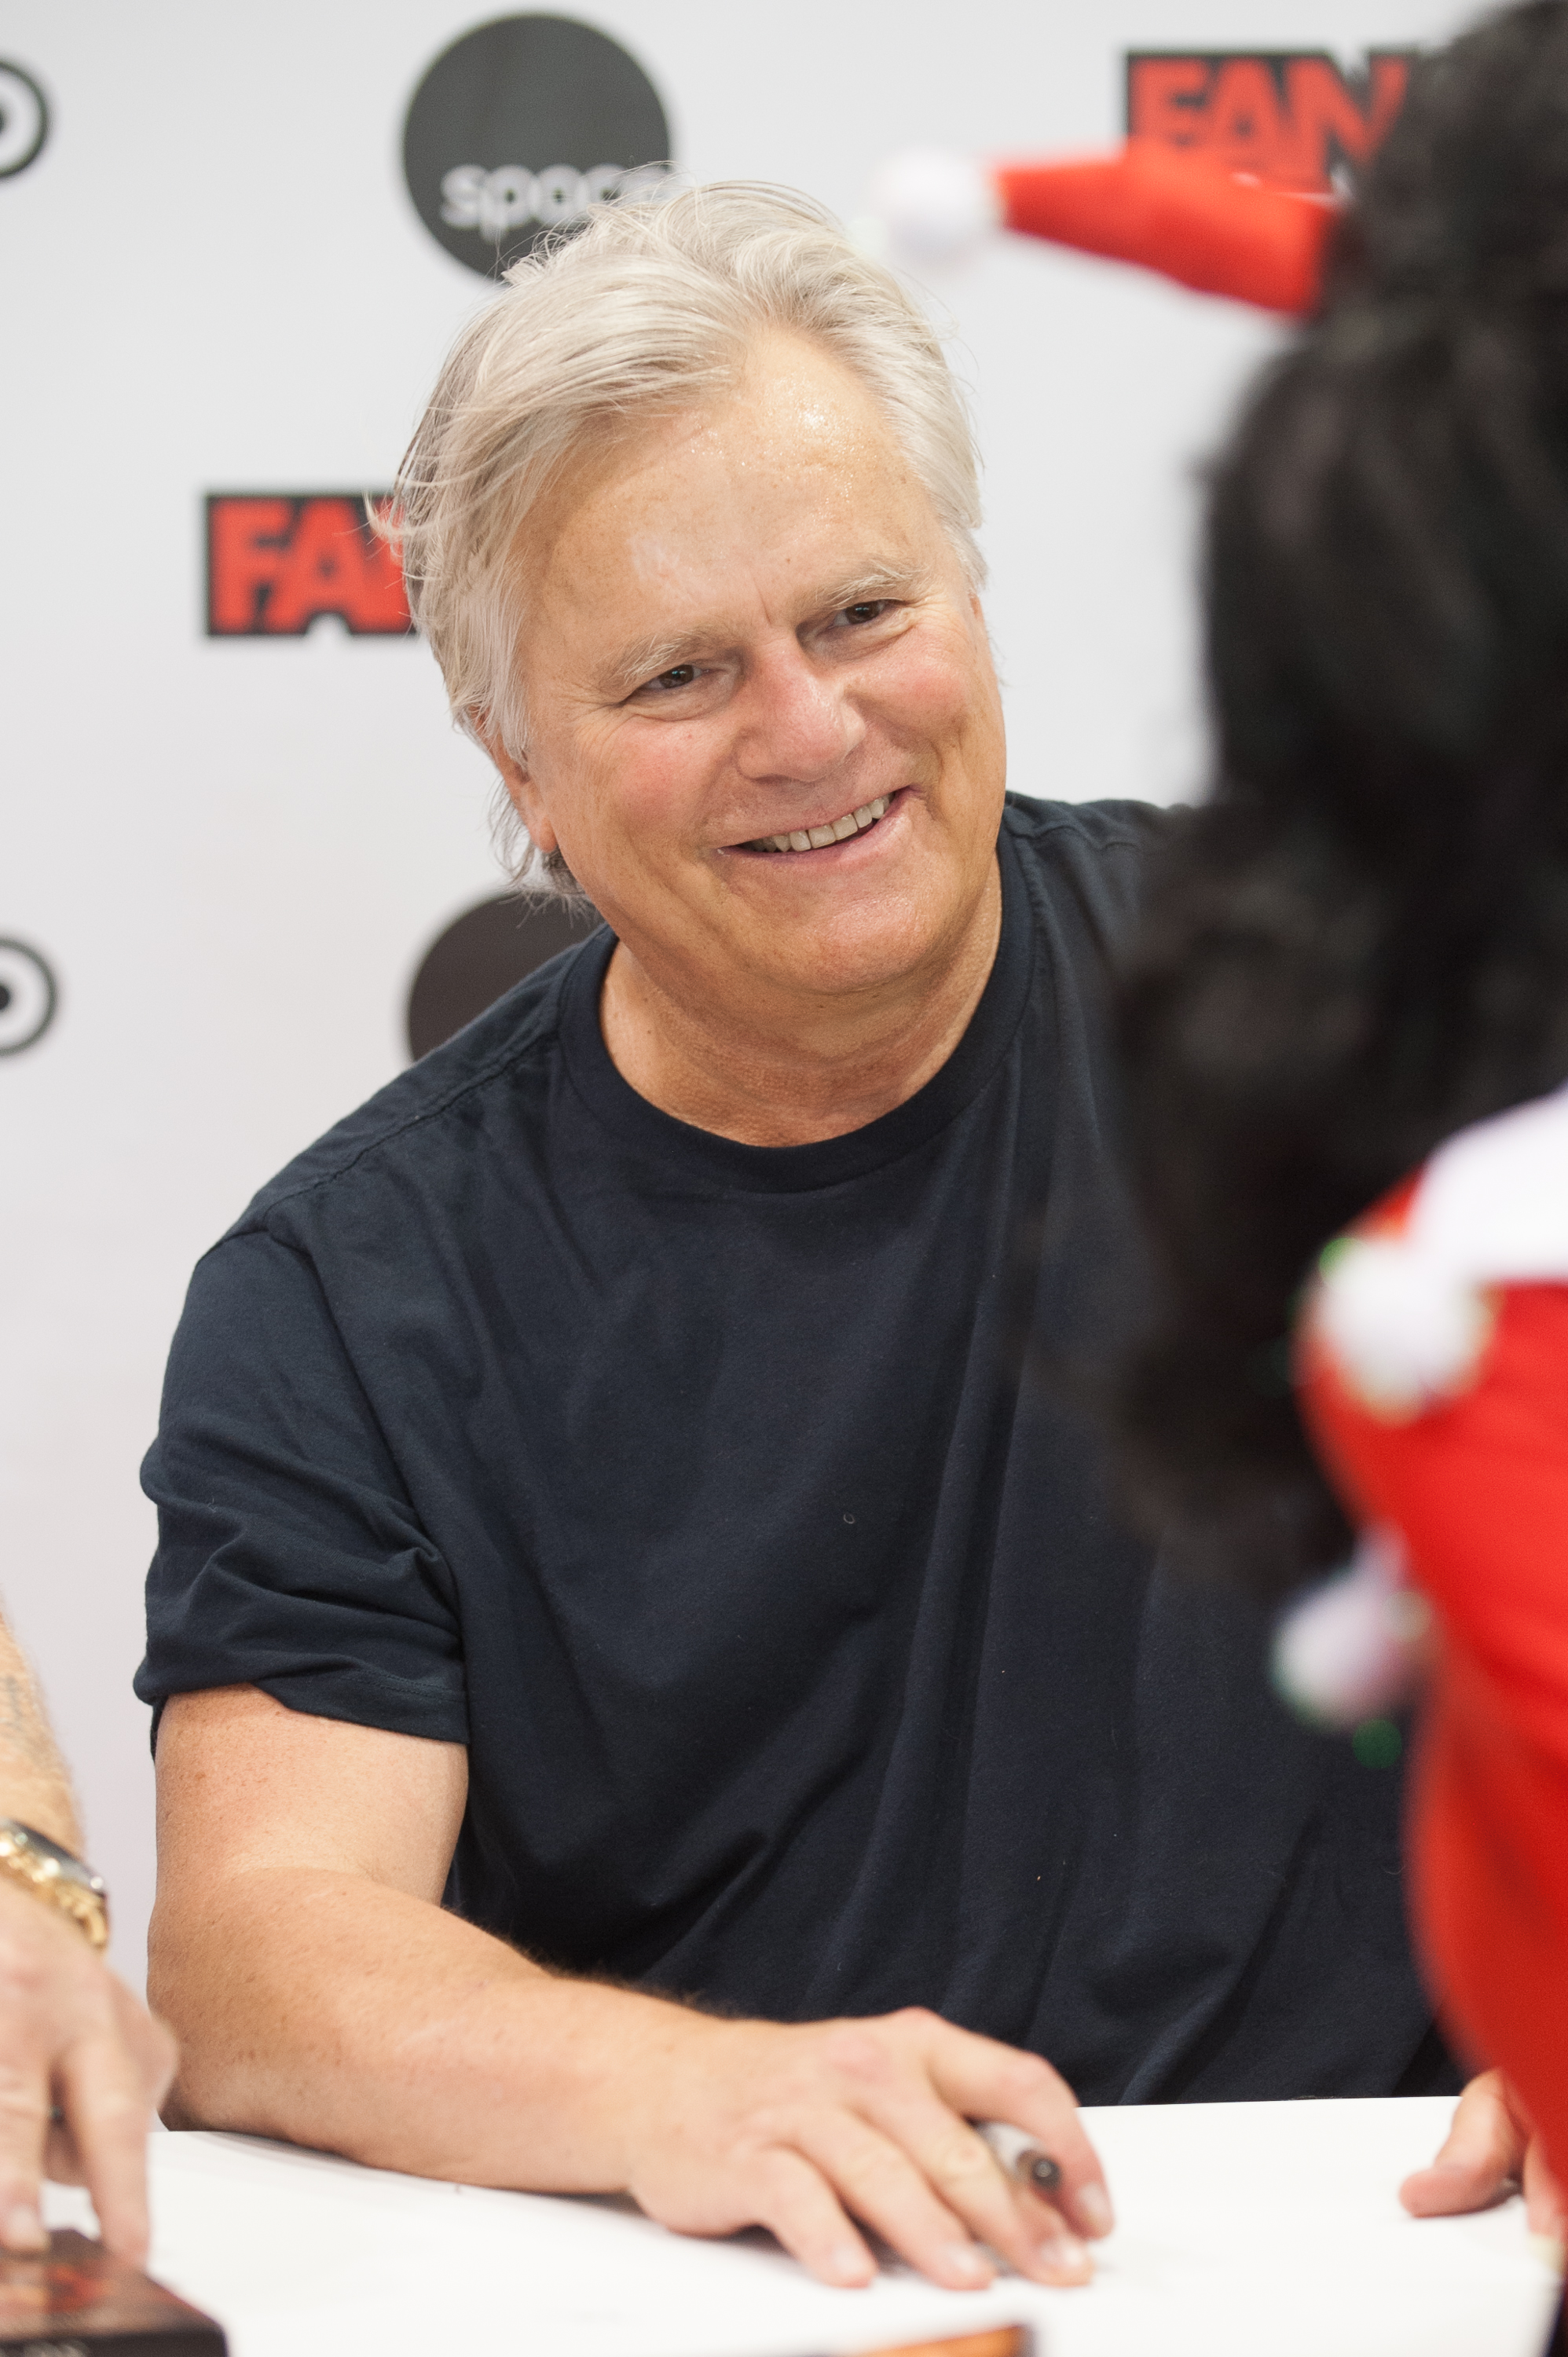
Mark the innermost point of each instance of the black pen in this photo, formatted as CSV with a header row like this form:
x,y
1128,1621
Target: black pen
x,y
1022,2158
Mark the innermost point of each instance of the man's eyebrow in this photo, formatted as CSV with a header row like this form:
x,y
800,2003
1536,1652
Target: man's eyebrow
x,y
645,661
863,588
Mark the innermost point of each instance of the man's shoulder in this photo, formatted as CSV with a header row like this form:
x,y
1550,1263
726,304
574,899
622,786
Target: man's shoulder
x,y
1091,854
1061,831
422,1111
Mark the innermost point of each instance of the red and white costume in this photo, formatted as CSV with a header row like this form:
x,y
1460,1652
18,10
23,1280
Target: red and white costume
x,y
1433,1371
1164,209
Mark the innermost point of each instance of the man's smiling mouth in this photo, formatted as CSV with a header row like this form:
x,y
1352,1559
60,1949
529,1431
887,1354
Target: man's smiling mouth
x,y
817,838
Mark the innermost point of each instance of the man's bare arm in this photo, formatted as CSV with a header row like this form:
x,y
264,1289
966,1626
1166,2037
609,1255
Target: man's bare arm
x,y
35,1786
322,1995
73,2041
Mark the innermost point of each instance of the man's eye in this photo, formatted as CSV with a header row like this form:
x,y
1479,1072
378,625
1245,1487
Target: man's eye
x,y
681,676
865,610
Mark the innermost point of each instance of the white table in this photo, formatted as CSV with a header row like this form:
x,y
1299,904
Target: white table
x,y
1245,2230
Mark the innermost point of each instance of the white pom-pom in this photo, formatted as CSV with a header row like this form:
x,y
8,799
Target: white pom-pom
x,y
933,208
1403,1327
1347,1652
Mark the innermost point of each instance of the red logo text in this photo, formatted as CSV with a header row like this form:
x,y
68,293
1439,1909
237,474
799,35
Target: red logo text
x,y
277,560
1291,116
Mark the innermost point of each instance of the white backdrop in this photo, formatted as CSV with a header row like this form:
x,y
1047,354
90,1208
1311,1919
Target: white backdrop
x,y
234,853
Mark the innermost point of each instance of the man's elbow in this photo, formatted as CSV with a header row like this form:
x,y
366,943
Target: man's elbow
x,y
186,1989
207,1979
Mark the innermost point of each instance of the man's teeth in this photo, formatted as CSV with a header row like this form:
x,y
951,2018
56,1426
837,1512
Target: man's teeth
x,y
854,821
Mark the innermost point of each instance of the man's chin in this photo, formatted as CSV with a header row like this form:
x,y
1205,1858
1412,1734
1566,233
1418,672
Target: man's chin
x,y
763,928
846,954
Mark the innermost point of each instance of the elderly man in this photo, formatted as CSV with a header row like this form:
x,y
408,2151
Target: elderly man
x,y
653,1695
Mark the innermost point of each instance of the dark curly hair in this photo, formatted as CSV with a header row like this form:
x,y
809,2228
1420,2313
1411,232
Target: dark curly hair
x,y
1360,940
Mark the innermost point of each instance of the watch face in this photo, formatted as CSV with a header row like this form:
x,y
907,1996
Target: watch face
x,y
71,1866
45,1847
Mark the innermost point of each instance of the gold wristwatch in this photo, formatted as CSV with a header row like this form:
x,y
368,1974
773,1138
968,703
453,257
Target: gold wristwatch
x,y
53,1875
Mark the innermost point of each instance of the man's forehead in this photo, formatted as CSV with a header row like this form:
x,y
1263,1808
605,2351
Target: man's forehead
x,y
742,515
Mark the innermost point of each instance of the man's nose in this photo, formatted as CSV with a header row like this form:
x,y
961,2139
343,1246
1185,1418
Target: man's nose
x,y
795,723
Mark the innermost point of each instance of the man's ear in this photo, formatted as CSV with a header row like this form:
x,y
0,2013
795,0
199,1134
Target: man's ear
x,y
522,791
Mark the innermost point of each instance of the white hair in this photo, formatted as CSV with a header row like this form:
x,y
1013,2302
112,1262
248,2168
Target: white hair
x,y
650,310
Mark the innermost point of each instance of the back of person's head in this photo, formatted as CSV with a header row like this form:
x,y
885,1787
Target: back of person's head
x,y
652,309
1362,940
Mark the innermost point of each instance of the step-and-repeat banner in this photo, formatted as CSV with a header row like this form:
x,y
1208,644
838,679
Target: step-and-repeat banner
x,y
245,871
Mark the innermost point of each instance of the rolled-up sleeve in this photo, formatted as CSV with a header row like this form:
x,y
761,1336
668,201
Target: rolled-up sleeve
x,y
289,1555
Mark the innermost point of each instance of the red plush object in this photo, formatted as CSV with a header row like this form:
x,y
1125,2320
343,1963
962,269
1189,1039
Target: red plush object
x,y
1183,215
1476,1480
1162,208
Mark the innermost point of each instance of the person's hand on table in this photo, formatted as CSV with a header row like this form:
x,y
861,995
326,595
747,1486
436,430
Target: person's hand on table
x,y
72,2039
803,2128
292,1847
1491,2151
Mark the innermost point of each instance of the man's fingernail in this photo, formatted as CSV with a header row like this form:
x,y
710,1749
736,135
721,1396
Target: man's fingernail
x,y
24,2226
963,2259
1095,2204
1065,2253
848,2265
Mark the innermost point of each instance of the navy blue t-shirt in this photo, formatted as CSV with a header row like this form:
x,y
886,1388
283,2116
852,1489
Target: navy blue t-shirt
x,y
738,1508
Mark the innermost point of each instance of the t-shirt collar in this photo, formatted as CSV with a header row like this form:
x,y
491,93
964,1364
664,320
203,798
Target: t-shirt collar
x,y
698,1152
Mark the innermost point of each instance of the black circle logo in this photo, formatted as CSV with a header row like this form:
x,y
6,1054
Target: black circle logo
x,y
27,997
24,119
520,126
482,954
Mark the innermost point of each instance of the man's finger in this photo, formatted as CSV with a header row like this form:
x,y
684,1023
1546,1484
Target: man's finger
x,y
874,2177
62,2162
107,2118
986,2081
799,2206
1481,2159
24,2125
1028,2231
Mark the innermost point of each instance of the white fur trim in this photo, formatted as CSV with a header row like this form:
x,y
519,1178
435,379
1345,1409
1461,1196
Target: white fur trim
x,y
934,207
1403,1329
1407,1317
1492,1204
1347,1652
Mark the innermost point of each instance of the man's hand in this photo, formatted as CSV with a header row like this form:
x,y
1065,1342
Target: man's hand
x,y
1491,2150
322,1993
803,2128
72,2039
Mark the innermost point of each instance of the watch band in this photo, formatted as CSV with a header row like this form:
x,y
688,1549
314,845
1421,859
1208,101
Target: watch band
x,y
53,1875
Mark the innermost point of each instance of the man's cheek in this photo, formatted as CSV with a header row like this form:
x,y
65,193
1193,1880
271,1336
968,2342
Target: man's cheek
x,y
661,804
929,690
